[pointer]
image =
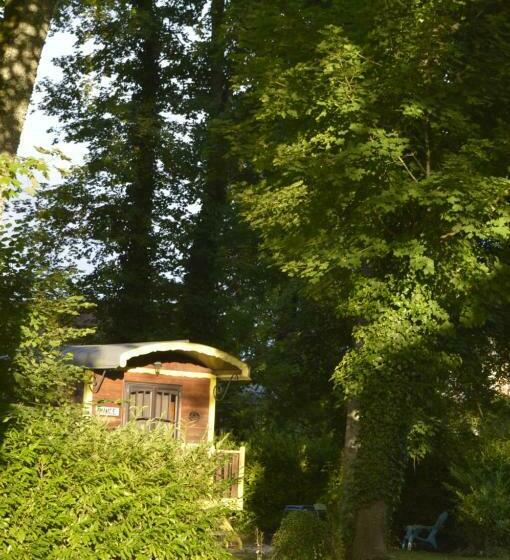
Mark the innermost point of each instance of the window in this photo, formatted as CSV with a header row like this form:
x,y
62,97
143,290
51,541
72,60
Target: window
x,y
153,405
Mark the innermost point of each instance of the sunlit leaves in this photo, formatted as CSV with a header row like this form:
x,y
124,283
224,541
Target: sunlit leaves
x,y
404,221
17,174
72,488
40,369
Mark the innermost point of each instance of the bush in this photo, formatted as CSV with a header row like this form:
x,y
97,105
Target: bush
x,y
301,536
70,488
482,490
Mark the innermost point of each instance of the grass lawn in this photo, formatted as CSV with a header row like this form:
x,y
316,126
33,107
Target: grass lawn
x,y
420,555
415,555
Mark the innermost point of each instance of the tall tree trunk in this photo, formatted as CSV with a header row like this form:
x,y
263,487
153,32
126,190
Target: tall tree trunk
x,y
351,435
370,530
199,303
369,524
133,314
23,31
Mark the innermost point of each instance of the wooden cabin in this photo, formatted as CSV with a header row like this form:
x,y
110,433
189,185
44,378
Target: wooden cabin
x,y
170,383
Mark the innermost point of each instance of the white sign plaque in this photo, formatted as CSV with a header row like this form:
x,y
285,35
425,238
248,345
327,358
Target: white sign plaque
x,y
107,410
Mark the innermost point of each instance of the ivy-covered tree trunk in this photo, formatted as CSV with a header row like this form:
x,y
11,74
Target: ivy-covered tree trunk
x,y
377,435
132,310
368,524
23,31
203,274
351,434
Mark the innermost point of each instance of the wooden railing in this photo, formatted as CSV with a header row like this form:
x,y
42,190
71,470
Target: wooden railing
x,y
231,473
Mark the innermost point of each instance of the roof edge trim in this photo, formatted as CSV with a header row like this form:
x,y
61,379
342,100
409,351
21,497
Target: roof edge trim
x,y
184,346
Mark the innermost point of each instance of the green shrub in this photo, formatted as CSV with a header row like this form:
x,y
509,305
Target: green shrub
x,y
72,489
482,490
301,536
481,481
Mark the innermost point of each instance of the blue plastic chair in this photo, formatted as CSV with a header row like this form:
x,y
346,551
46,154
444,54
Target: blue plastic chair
x,y
417,533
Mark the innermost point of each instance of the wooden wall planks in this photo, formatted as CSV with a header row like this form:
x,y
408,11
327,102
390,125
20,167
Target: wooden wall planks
x,y
195,394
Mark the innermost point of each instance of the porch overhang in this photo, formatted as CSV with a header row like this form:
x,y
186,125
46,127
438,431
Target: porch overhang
x,y
117,356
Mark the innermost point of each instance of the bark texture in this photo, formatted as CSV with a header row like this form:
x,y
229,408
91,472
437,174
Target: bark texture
x,y
370,532
351,435
23,31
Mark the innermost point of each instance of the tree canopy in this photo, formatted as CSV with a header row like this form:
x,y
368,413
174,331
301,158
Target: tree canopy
x,y
381,181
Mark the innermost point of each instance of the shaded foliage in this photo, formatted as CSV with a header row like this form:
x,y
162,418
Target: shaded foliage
x,y
301,536
480,483
290,417
125,210
287,468
204,278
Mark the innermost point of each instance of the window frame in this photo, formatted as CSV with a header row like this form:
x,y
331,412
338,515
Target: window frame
x,y
154,387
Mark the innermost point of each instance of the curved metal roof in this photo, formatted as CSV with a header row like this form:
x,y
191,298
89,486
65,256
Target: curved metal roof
x,y
113,356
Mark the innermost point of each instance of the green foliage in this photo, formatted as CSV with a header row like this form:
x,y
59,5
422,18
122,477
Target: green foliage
x,y
18,266
481,485
71,488
17,173
484,496
204,262
125,211
372,149
286,468
290,419
41,370
301,536
383,186
294,345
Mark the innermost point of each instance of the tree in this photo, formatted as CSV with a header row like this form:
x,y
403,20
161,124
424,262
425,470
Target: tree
x,y
125,209
40,370
16,274
136,242
23,30
381,183
290,419
38,303
203,275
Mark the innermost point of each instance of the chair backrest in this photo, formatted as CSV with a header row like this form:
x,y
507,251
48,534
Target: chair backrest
x,y
300,507
318,509
441,520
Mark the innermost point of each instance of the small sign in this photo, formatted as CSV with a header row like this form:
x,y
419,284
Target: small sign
x,y
107,411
